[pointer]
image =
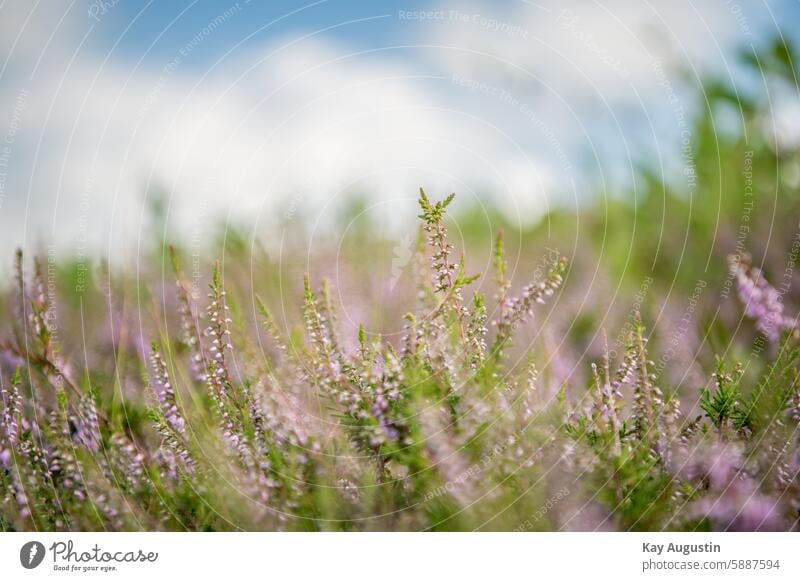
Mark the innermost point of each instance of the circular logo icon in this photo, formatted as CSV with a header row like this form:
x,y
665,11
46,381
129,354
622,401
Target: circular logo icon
x,y
31,554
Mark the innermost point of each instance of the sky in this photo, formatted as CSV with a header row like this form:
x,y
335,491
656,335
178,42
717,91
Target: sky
x,y
251,112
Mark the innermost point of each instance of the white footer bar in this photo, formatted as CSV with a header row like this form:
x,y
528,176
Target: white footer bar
x,y
400,556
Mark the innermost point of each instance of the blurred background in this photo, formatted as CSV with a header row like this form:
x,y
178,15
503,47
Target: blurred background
x,y
645,141
249,111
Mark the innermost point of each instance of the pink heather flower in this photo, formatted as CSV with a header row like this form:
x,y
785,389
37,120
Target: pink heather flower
x,y
762,302
741,507
87,427
718,463
12,410
5,458
164,392
734,501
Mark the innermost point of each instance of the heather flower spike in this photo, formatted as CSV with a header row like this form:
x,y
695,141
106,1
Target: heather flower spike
x,y
448,277
190,326
164,392
762,302
516,310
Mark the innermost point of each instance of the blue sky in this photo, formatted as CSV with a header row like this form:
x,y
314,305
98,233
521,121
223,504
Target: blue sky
x,y
150,19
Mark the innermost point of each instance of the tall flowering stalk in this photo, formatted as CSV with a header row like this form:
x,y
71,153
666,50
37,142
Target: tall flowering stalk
x,y
327,363
12,416
608,402
240,416
648,400
449,278
63,464
500,268
515,310
169,420
218,378
444,270
42,313
476,333
164,392
21,304
190,328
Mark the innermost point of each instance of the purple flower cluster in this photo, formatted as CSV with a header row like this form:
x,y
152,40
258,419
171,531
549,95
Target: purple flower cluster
x,y
165,395
762,302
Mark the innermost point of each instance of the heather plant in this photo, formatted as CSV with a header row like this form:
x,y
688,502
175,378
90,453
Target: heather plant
x,y
732,467
214,416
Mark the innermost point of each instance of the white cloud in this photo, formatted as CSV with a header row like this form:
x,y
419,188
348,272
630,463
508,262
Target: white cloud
x,y
576,47
306,121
